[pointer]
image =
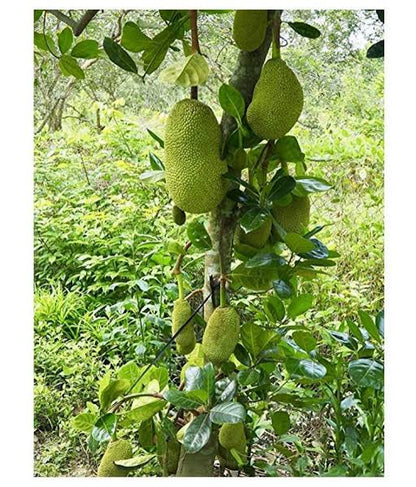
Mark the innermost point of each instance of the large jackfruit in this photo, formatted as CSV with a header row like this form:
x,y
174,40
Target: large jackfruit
x,y
295,216
116,450
249,29
231,436
221,334
277,101
257,238
185,341
193,165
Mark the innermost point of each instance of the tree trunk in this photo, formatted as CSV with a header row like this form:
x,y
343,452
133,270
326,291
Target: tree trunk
x,y
55,120
223,219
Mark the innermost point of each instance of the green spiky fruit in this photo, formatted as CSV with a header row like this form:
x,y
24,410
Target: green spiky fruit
x,y
257,238
221,334
231,436
249,29
185,341
295,216
277,101
179,216
193,165
116,450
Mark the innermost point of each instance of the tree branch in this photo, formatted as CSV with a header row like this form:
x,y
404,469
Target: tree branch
x,y
65,18
84,21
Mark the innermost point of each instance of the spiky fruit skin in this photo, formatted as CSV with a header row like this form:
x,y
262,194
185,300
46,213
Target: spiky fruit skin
x,y
257,238
249,29
185,341
231,436
116,450
240,159
179,216
295,216
221,335
193,165
277,101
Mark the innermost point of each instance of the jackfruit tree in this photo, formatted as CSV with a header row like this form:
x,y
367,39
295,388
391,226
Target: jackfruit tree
x,y
241,192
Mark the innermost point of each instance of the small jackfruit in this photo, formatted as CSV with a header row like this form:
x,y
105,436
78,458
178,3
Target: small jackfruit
x,y
257,238
231,436
295,216
179,216
185,341
239,159
193,165
221,334
277,101
116,450
249,29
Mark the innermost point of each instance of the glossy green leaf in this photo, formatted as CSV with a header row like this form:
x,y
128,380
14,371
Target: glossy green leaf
x,y
282,187
298,244
87,49
306,185
305,30
119,56
114,389
248,376
274,309
369,325
226,394
376,50
265,260
65,38
299,305
282,288
366,373
184,399
155,162
311,369
228,412
254,218
198,235
197,434
231,101
280,422
318,252
135,462
104,428
157,139
287,149
242,355
380,323
133,39
190,71
155,53
255,339
305,340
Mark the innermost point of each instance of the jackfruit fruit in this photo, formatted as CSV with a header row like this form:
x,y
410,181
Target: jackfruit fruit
x,y
221,334
277,101
116,450
239,159
185,341
257,238
295,216
249,29
231,436
179,216
193,165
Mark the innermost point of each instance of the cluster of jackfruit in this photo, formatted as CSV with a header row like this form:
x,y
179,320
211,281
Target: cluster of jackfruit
x,y
185,341
277,101
116,450
249,29
193,165
221,334
295,216
231,436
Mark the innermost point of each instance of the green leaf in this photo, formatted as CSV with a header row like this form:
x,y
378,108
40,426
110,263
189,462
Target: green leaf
x,y
274,309
265,260
133,39
228,412
256,279
156,138
366,373
87,49
380,15
311,369
198,235
380,323
156,52
37,14
135,462
129,371
305,340
254,219
197,434
242,355
355,331
152,176
306,185
114,389
119,56
299,305
248,376
376,50
155,162
208,377
70,67
280,422
65,38
287,149
305,30
190,71
282,288
282,187
255,338
145,411
194,378
231,101
84,422
184,399
319,252
226,393
369,325
44,42
298,244
104,428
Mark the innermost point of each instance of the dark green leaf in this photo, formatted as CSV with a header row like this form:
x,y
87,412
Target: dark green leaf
x,y
299,305
298,244
319,252
369,325
198,235
44,42
155,162
280,422
345,339
380,15
227,393
184,399
376,50
254,219
256,279
197,433
274,309
119,56
305,340
155,53
156,138
65,38
305,30
248,376
87,49
380,323
255,338
113,390
228,412
133,39
287,149
231,101
366,373
311,369
70,67
265,260
37,14
355,331
283,289
282,187
104,428
242,355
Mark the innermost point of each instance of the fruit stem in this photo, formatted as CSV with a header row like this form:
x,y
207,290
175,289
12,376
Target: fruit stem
x,y
276,34
179,278
223,292
193,14
285,168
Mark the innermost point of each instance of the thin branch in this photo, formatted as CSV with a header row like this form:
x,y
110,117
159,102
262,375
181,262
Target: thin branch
x,y
177,268
61,16
84,21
